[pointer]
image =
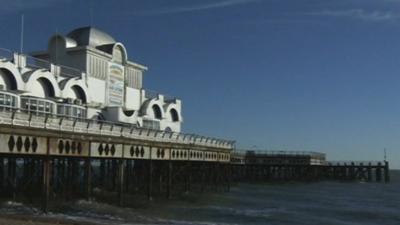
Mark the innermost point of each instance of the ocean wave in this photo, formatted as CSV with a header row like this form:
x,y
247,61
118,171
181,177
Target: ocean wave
x,y
12,207
263,213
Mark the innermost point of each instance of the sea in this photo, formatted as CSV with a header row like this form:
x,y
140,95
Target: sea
x,y
317,203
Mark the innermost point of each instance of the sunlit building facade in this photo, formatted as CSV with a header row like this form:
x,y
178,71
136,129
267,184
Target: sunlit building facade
x,y
85,74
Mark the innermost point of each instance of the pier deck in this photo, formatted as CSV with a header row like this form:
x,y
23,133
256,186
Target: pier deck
x,y
60,158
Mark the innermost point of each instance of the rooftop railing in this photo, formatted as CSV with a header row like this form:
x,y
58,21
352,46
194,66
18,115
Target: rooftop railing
x,y
70,71
168,98
66,71
151,94
6,54
38,63
22,117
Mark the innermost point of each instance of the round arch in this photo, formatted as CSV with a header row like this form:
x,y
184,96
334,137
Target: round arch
x,y
156,109
9,72
76,89
7,80
148,109
173,113
41,84
119,53
47,88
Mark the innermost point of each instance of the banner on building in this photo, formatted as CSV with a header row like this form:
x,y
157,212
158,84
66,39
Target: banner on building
x,y
115,84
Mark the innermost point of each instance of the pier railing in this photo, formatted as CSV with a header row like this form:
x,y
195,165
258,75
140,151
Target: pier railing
x,y
22,117
282,153
355,163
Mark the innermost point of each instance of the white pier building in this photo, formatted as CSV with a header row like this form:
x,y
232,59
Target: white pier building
x,y
85,74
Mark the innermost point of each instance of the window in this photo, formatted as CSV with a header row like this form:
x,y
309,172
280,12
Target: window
x,y
37,106
174,115
151,124
7,101
70,110
157,112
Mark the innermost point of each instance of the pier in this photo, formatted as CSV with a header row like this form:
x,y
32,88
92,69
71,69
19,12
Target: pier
x,y
58,158
94,132
303,166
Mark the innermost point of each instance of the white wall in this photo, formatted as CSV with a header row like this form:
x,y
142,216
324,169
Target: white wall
x,y
97,90
91,112
132,100
116,114
96,94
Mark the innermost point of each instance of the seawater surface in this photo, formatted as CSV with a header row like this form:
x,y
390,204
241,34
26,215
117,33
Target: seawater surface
x,y
320,203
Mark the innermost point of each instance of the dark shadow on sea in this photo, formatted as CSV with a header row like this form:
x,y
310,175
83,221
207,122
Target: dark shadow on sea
x,y
328,203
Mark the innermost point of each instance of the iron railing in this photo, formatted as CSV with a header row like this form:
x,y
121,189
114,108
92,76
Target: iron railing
x,y
38,63
6,54
22,117
149,94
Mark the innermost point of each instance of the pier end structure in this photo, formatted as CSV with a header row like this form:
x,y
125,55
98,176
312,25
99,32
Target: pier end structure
x,y
249,165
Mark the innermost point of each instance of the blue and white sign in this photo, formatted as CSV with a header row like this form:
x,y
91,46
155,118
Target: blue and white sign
x,y
115,84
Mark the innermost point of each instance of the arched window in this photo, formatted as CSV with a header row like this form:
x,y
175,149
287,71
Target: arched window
x,y
157,112
79,93
174,115
48,89
7,80
168,129
118,55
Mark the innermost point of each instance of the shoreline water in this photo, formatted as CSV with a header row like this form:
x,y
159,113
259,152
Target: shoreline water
x,y
328,203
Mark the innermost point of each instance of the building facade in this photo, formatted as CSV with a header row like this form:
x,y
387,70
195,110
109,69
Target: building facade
x,y
85,74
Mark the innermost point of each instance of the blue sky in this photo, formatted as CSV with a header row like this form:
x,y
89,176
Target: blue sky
x,y
315,75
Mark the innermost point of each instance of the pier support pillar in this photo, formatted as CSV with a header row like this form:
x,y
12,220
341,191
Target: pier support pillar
x,y
121,167
387,175
1,173
378,172
188,177
169,181
102,172
88,179
150,180
46,183
228,177
369,173
203,169
12,176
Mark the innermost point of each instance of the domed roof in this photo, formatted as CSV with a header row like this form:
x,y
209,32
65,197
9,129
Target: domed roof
x,y
91,36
